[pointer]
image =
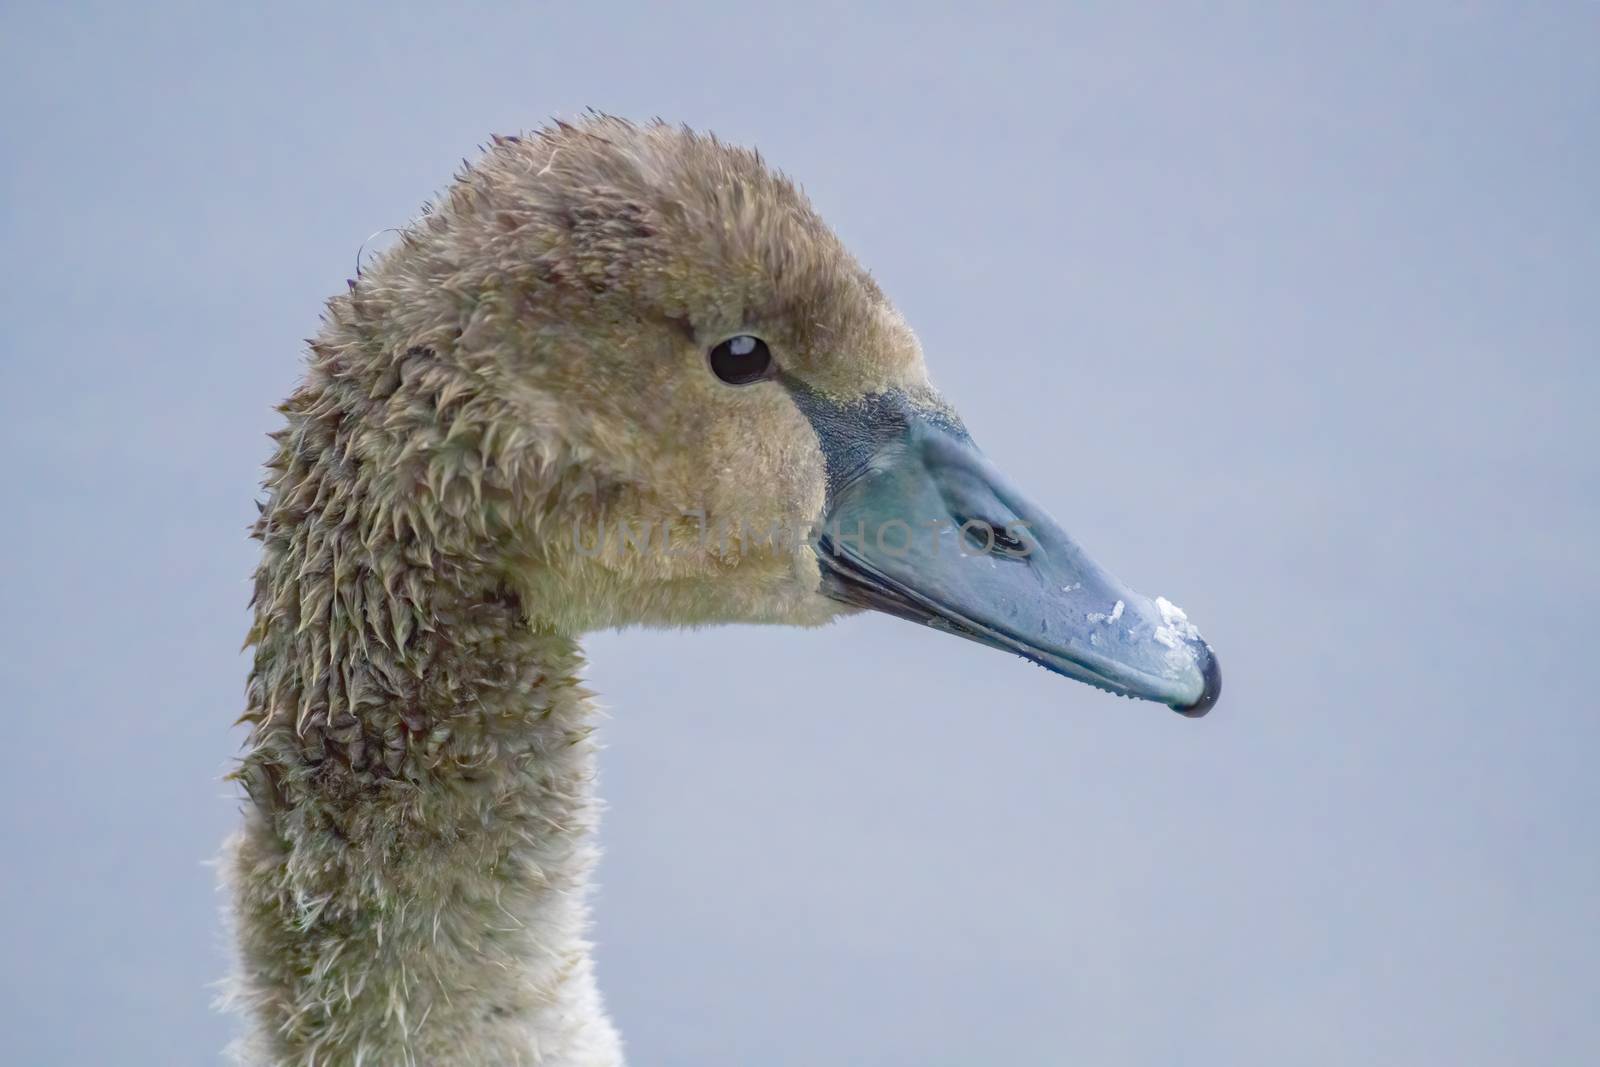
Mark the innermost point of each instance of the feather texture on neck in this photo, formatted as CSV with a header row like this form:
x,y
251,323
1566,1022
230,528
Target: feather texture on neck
x,y
409,883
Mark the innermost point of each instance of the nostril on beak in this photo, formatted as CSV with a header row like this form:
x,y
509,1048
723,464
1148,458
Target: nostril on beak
x,y
1212,674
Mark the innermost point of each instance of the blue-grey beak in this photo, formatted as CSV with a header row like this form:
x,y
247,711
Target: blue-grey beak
x,y
921,525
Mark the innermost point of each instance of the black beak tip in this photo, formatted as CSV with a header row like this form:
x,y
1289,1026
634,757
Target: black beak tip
x,y
1213,685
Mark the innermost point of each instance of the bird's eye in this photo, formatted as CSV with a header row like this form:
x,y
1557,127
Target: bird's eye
x,y
741,360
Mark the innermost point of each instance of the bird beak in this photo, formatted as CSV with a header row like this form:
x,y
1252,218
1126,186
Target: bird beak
x,y
921,525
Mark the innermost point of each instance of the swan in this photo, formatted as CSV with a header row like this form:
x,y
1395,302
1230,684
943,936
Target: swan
x,y
618,374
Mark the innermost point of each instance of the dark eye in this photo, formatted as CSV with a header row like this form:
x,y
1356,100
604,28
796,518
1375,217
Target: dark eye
x,y
741,360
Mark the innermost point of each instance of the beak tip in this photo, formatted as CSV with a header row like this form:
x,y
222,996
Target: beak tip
x,y
1212,674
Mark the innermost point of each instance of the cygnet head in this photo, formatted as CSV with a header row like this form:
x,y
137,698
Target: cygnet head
x,y
631,371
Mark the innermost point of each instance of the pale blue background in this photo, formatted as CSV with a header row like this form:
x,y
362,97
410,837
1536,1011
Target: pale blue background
x,y
1289,310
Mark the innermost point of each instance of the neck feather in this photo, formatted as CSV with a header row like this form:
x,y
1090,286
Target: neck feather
x,y
408,884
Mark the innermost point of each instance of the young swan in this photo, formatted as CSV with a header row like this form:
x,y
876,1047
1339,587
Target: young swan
x,y
615,376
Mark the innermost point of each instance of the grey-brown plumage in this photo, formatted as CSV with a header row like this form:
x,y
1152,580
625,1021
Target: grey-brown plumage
x,y
533,367
408,885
